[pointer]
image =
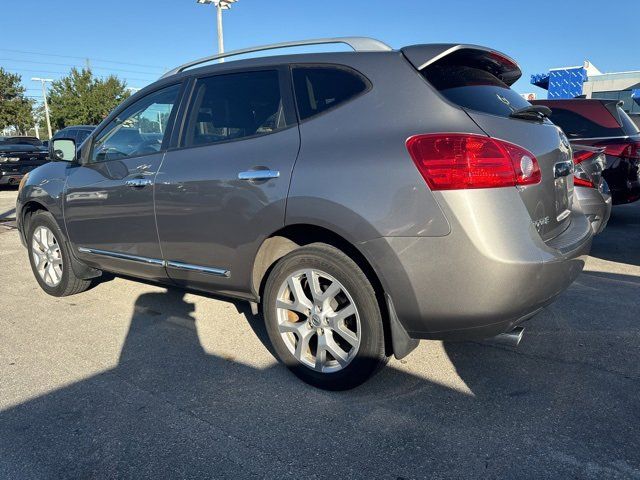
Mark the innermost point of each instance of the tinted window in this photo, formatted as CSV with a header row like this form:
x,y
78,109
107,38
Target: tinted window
x,y
233,106
321,88
474,88
628,125
65,132
81,136
138,130
578,126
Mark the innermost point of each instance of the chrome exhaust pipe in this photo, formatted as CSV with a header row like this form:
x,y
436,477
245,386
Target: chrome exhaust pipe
x,y
511,338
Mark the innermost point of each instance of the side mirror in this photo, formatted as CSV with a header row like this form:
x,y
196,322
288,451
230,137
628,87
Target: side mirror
x,y
63,150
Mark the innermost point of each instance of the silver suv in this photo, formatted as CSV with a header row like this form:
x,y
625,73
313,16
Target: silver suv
x,y
361,200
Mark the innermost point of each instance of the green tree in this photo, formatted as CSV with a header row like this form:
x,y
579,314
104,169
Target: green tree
x,y
16,110
80,98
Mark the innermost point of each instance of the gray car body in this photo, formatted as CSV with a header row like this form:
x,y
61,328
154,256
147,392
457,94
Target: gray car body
x,y
450,264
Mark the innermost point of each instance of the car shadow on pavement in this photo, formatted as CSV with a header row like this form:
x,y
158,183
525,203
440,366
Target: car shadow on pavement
x,y
620,241
169,409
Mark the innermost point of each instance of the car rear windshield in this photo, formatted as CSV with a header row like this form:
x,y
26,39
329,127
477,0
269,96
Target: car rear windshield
x,y
628,125
585,119
473,88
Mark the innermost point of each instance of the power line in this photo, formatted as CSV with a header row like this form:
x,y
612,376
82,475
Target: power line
x,y
83,58
126,77
74,66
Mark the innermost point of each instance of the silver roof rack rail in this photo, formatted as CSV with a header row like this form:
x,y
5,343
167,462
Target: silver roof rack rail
x,y
359,44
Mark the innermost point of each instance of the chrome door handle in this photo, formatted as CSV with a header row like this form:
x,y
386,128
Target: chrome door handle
x,y
258,174
138,182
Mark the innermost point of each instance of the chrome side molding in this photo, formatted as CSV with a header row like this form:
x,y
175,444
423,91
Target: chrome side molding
x,y
199,268
219,272
122,256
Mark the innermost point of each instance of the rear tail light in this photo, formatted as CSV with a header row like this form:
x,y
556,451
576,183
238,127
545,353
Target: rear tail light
x,y
581,156
452,161
623,150
580,177
581,182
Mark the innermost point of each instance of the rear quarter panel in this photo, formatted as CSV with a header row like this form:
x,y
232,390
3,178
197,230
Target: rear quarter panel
x,y
354,174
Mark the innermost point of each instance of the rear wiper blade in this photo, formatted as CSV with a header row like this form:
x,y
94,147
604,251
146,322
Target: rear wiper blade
x,y
532,111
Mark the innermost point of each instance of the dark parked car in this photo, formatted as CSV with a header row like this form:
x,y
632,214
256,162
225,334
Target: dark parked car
x,y
363,200
603,123
19,155
592,195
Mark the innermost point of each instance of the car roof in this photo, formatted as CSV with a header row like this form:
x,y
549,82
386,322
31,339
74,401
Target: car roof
x,y
86,127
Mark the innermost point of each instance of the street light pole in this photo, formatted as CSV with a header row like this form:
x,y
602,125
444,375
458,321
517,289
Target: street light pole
x,y
220,6
220,34
44,98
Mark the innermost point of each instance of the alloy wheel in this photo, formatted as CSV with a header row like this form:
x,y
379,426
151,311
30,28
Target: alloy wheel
x,y
47,256
318,320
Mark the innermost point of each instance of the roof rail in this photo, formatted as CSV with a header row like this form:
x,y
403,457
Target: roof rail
x,y
359,44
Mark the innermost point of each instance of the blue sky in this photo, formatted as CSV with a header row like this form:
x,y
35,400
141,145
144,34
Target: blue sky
x,y
149,35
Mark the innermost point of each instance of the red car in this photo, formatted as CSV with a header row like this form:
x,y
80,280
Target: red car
x,y
603,123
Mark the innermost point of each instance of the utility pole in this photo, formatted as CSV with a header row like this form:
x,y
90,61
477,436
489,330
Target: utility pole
x,y
220,6
44,99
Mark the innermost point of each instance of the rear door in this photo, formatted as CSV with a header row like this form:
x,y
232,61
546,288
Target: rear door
x,y
478,80
224,189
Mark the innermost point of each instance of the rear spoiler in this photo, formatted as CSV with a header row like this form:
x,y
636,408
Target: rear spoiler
x,y
496,63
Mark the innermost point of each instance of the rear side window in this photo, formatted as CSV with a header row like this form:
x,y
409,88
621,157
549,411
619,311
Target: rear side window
x,y
473,88
234,106
320,88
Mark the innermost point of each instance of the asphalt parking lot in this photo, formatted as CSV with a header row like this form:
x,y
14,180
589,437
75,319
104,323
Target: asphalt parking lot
x,y
133,380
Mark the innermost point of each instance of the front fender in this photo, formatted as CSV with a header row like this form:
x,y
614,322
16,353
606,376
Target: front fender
x,y
43,189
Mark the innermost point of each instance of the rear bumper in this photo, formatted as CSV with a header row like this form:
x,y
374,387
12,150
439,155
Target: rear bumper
x,y
490,273
595,205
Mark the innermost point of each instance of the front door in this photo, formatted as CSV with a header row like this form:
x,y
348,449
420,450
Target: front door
x,y
224,190
108,203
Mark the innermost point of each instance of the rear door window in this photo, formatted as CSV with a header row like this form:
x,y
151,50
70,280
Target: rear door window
x,y
473,88
320,88
235,106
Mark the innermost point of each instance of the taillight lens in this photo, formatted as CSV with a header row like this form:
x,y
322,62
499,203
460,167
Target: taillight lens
x,y
581,182
452,161
581,156
623,150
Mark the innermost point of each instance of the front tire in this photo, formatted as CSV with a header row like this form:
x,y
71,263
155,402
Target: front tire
x,y
323,318
50,257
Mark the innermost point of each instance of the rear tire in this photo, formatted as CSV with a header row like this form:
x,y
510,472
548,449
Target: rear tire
x,y
50,257
331,337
